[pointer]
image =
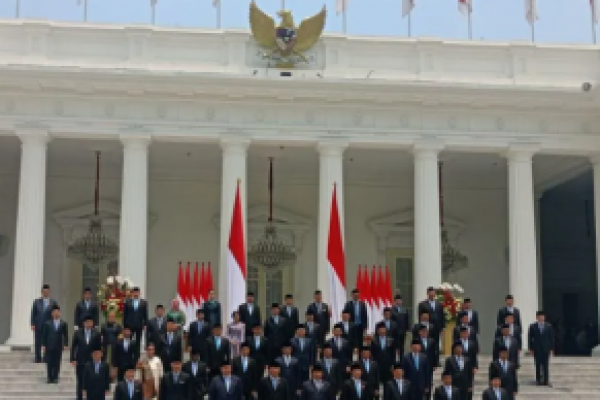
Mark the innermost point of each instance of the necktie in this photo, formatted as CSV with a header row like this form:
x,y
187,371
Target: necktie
x,y
276,319
339,343
399,383
367,365
250,308
424,344
289,309
318,385
301,344
416,359
170,336
46,303
175,377
244,363
97,368
504,366
432,303
218,342
159,323
383,342
87,337
357,383
497,393
466,345
449,392
274,381
287,361
460,363
507,342
328,365
130,387
356,313
227,383
194,368
126,344
387,324
56,324
541,328
257,342
135,303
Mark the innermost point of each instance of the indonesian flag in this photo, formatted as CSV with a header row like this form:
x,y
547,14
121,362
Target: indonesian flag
x,y
336,261
465,7
203,291
197,291
594,8
181,287
236,256
188,306
388,286
376,305
407,7
209,280
366,288
381,293
341,6
531,14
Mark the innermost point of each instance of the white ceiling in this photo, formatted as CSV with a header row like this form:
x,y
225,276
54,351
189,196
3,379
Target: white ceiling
x,y
190,160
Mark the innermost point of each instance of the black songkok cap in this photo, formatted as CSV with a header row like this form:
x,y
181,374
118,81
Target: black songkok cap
x,y
355,365
415,341
464,329
509,297
87,289
398,297
540,313
56,307
88,317
398,365
446,373
250,294
45,286
275,305
289,296
317,367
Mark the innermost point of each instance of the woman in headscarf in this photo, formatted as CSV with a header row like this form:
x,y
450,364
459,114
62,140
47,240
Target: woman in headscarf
x,y
150,371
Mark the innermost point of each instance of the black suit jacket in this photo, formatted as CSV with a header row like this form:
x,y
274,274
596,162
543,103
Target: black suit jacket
x,y
456,333
96,384
292,318
171,389
350,308
435,315
283,391
171,351
513,349
122,391
314,332
136,319
372,375
471,351
342,353
503,312
517,334
81,311
217,357
473,322
489,394
250,377
82,351
311,392
212,312
122,358
198,382
420,378
349,391
322,317
541,342
304,355
291,373
402,319
250,319
260,354
218,390
335,375
462,379
392,392
53,339
350,332
433,329
385,356
508,378
39,314
197,337
440,394
431,351
154,332
276,333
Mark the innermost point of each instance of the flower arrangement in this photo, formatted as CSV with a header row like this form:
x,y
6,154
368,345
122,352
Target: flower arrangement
x,y
447,294
113,294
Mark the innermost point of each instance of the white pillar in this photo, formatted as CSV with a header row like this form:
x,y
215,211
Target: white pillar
x,y
523,280
331,166
596,165
133,238
538,244
234,169
428,257
29,245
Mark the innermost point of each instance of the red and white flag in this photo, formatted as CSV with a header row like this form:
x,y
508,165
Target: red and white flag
x,y
381,293
531,11
388,286
336,261
594,8
197,292
236,257
375,304
465,7
366,288
341,6
188,306
209,280
407,7
203,291
181,288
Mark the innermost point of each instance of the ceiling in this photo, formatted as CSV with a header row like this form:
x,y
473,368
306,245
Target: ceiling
x,y
203,161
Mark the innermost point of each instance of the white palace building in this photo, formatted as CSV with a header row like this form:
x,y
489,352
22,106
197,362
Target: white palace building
x,y
180,115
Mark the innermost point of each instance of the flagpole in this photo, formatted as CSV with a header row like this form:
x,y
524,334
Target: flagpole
x,y
344,21
533,30
593,24
85,10
470,22
219,14
18,9
153,12
409,27
282,5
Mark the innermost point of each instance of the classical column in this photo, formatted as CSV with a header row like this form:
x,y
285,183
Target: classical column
x,y
523,279
428,258
133,237
596,166
538,243
331,166
234,169
29,245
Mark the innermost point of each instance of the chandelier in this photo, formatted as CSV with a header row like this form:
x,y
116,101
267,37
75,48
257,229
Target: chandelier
x,y
452,259
94,248
270,252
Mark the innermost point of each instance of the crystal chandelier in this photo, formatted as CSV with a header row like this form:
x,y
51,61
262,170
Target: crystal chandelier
x,y
94,248
270,252
452,259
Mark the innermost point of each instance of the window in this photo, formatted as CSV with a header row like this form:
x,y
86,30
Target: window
x,y
90,277
269,288
404,280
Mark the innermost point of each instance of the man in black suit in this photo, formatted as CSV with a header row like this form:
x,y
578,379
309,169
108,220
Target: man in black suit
x,y
541,346
513,330
430,350
259,350
402,318
135,315
356,388
317,388
96,377
446,391
55,339
332,372
84,342
313,331
382,349
250,312
245,368
198,332
473,316
370,369
507,371
494,392
342,350
175,384
416,370
470,348
41,312
125,353
129,388
156,328
391,328
461,371
433,331
290,369
225,386
397,388
218,351
463,322
274,386
290,313
212,309
275,332
86,307
350,332
198,373
358,315
303,349
436,317
506,340
509,308
321,313
171,345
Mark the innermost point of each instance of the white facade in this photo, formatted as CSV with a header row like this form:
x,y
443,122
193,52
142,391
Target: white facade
x,y
180,115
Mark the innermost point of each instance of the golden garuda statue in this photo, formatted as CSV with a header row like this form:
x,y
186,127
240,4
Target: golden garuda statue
x,y
285,42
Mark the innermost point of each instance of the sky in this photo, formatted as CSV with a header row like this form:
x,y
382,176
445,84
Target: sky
x,y
560,21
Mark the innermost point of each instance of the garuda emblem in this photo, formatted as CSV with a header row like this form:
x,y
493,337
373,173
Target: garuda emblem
x,y
285,42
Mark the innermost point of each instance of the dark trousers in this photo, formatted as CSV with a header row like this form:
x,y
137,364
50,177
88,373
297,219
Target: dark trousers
x,y
137,334
37,341
53,359
79,368
400,345
542,367
436,345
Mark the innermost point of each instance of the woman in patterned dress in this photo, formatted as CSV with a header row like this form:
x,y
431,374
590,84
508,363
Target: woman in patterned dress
x,y
150,373
236,331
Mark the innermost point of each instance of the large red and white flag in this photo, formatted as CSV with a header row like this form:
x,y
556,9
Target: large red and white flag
x,y
181,287
375,304
188,306
236,256
209,280
341,6
197,292
407,7
336,262
531,11
381,293
389,301
366,288
465,7
203,291
594,8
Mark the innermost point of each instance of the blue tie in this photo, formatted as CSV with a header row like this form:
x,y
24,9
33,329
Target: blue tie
x,y
136,303
356,313
358,387
227,384
244,363
130,387
218,342
97,368
367,365
416,358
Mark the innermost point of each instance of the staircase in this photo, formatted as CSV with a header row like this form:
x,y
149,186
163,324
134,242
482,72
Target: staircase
x,y
572,379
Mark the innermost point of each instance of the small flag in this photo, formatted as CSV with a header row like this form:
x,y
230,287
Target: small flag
x,y
236,256
181,287
197,292
188,307
465,7
531,13
336,261
407,7
341,6
594,7
203,291
375,298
